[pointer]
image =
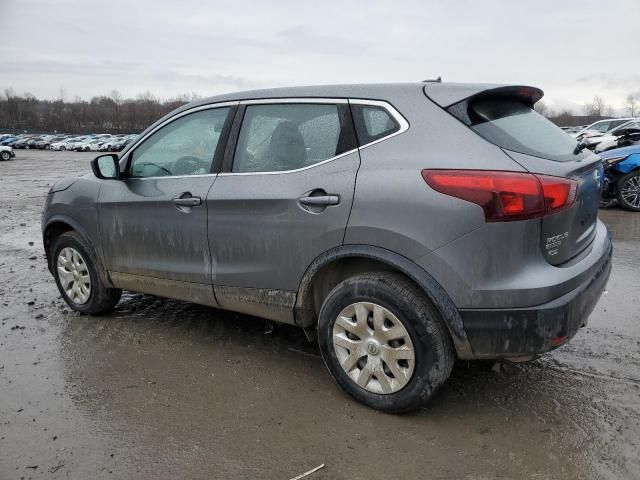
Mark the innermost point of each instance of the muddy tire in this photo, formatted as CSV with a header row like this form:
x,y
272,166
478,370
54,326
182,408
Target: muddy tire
x,y
76,273
384,342
628,191
5,156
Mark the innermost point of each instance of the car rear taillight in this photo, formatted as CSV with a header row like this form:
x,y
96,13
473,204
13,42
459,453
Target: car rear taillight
x,y
505,196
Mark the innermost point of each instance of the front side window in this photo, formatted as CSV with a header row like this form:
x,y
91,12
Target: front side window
x,y
185,146
280,137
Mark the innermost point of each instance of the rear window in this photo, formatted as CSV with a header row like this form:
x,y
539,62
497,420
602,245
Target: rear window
x,y
513,125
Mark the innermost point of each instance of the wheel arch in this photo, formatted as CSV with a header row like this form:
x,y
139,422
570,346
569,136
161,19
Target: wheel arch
x,y
59,224
339,263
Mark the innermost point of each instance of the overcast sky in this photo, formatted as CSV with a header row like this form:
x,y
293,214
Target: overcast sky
x,y
571,49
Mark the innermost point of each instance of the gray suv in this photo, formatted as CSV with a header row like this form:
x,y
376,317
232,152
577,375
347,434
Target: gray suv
x,y
405,225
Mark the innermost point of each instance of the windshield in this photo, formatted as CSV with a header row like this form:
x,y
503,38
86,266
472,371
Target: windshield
x,y
624,126
511,124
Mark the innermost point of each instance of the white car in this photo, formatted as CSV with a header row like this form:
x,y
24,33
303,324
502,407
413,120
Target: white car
x,y
600,127
89,145
6,153
63,144
610,140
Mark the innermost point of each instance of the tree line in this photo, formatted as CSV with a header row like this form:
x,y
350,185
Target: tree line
x,y
108,113
115,114
597,107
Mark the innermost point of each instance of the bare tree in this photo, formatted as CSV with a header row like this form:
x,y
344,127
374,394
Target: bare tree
x,y
595,108
541,108
631,105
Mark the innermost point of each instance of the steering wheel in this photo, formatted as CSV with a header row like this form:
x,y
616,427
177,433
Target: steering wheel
x,y
188,165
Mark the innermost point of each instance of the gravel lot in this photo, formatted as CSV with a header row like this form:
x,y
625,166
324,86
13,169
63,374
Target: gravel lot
x,y
164,389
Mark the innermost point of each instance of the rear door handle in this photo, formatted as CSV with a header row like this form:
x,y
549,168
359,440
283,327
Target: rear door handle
x,y
187,201
320,201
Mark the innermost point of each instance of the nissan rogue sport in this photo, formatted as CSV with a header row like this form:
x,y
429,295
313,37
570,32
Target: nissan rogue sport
x,y
405,225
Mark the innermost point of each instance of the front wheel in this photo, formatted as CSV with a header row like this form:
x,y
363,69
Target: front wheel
x,y
5,156
384,342
77,276
628,191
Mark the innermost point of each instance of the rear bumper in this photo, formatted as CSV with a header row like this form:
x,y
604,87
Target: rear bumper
x,y
523,332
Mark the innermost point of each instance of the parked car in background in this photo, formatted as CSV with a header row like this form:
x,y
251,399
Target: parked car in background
x,y
46,141
6,153
409,225
22,142
91,144
7,141
622,176
626,134
65,144
601,127
118,145
571,130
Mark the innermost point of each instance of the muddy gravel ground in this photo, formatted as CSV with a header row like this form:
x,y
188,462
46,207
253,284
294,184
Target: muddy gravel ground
x,y
162,389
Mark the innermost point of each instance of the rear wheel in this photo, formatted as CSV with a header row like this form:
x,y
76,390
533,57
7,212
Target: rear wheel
x,y
63,148
628,191
77,276
384,342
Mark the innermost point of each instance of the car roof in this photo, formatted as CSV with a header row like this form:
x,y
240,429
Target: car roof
x,y
375,91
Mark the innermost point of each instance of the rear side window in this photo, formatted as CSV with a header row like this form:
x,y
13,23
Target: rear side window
x,y
513,125
283,137
373,123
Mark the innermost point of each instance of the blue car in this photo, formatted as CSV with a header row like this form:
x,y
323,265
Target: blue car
x,y
8,141
622,176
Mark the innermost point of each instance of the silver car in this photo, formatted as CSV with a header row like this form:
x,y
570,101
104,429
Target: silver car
x,y
403,225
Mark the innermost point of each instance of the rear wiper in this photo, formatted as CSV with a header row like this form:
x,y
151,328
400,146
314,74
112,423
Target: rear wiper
x,y
579,147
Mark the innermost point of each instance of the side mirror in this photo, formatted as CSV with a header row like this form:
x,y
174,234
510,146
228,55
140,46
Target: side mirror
x,y
106,166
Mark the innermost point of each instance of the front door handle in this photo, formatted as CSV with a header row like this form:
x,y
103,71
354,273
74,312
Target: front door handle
x,y
320,201
186,200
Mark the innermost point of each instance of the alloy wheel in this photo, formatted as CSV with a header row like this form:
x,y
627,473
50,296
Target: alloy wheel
x,y
631,191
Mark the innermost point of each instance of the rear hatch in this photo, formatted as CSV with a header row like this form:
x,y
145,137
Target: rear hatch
x,y
505,117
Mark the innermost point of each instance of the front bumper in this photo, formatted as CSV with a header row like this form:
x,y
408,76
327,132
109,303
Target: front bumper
x,y
525,332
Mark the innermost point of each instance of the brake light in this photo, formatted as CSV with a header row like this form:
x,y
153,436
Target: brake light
x,y
505,196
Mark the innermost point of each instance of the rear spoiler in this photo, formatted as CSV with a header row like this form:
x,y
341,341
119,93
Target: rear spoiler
x,y
448,94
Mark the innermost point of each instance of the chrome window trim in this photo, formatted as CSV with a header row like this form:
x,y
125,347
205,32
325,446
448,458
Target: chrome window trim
x,y
277,172
275,101
402,121
404,126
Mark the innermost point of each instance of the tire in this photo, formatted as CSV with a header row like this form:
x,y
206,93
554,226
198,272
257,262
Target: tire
x,y
628,191
47,147
5,156
100,299
27,147
401,303
62,149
